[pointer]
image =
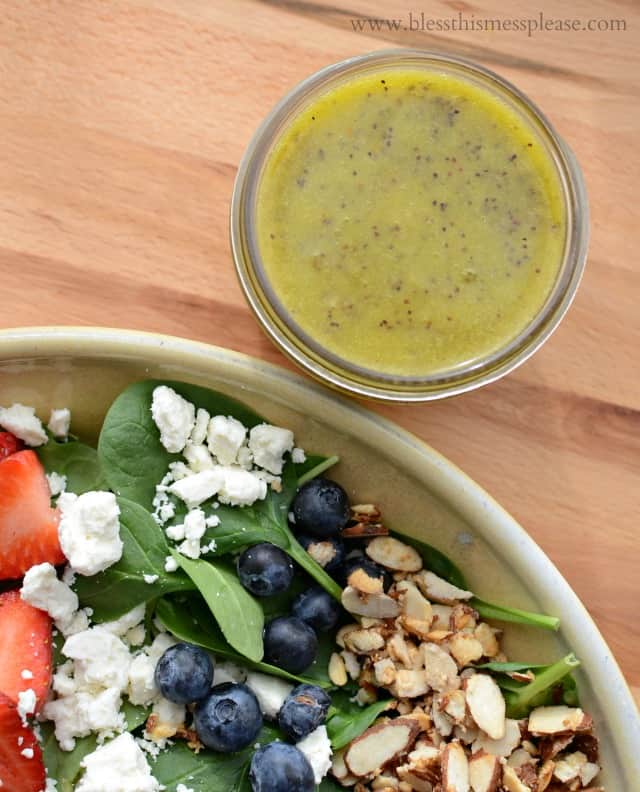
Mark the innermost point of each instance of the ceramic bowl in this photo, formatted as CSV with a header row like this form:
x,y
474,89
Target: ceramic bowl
x,y
419,491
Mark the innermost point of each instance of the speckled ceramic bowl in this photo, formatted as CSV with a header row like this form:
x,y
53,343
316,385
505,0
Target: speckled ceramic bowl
x,y
419,491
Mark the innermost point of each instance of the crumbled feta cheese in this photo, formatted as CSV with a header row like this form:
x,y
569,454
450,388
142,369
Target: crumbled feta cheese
x,y
26,674
178,470
26,703
175,532
89,531
83,712
135,636
170,718
245,458
57,483
298,456
63,682
227,672
23,422
170,564
101,659
183,788
199,433
317,748
142,687
42,589
68,576
150,579
225,436
198,457
240,488
270,691
198,487
212,521
27,753
117,766
126,622
161,643
195,527
268,445
174,416
59,422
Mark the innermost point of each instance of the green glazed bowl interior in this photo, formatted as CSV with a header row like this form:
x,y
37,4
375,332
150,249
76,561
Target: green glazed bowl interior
x,y
419,492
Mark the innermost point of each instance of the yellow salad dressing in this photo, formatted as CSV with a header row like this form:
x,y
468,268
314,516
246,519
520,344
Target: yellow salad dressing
x,y
410,221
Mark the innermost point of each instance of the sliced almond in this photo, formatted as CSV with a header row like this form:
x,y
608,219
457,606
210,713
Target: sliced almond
x,y
363,641
503,747
412,603
340,770
463,617
385,671
337,670
545,774
588,772
551,747
442,722
439,636
364,583
487,637
520,757
410,683
486,705
421,629
440,668
455,769
398,649
467,733
465,648
393,554
558,720
351,663
368,621
568,767
455,705
484,772
365,512
511,782
383,783
439,590
344,631
379,745
412,781
363,529
441,616
377,606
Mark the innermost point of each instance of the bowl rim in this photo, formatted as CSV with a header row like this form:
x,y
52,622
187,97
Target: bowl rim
x,y
469,499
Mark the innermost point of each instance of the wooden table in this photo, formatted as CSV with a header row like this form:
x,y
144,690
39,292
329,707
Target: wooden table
x,y
121,127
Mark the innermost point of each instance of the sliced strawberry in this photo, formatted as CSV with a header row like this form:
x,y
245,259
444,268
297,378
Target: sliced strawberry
x,y
28,524
25,645
9,444
21,764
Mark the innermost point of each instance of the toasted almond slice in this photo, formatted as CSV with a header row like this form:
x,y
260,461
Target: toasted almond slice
x,y
398,650
385,671
412,603
487,637
441,616
455,769
588,772
463,617
545,774
377,606
351,663
437,589
362,512
455,705
442,722
520,757
558,720
364,583
344,631
366,695
383,783
410,683
466,733
379,745
421,629
440,668
393,554
439,636
423,719
552,746
410,780
337,670
484,772
340,771
363,641
368,621
486,705
503,747
511,782
568,767
465,648
364,529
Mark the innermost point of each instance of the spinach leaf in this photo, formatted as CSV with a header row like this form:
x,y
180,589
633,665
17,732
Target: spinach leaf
x,y
314,466
238,614
349,720
75,460
190,620
502,613
435,561
132,456
121,587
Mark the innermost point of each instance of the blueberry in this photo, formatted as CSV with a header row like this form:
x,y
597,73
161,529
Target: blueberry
x,y
184,673
317,608
360,561
280,767
329,553
304,709
229,718
290,644
265,569
321,508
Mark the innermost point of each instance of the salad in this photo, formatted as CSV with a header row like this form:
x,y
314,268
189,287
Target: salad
x,y
194,605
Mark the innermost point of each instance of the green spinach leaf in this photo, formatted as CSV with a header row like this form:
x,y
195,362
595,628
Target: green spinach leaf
x,y
238,614
489,610
75,460
122,586
132,456
435,561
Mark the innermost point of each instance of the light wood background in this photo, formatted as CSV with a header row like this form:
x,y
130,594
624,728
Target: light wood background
x,y
121,126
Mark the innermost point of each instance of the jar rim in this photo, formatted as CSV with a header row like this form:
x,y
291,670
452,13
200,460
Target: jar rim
x,y
336,371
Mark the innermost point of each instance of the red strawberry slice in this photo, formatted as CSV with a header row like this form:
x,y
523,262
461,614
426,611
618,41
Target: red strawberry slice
x,y
25,645
21,765
28,524
9,444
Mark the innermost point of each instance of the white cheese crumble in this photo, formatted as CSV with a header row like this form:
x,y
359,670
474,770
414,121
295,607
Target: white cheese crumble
x,y
174,416
100,659
225,436
317,748
119,766
270,691
42,589
240,488
26,674
183,788
23,422
142,687
227,672
150,579
170,564
199,433
89,531
59,422
57,483
126,622
198,457
298,456
26,704
194,528
268,445
198,487
27,753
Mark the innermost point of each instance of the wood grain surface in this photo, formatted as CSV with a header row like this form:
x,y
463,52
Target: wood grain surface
x,y
121,127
